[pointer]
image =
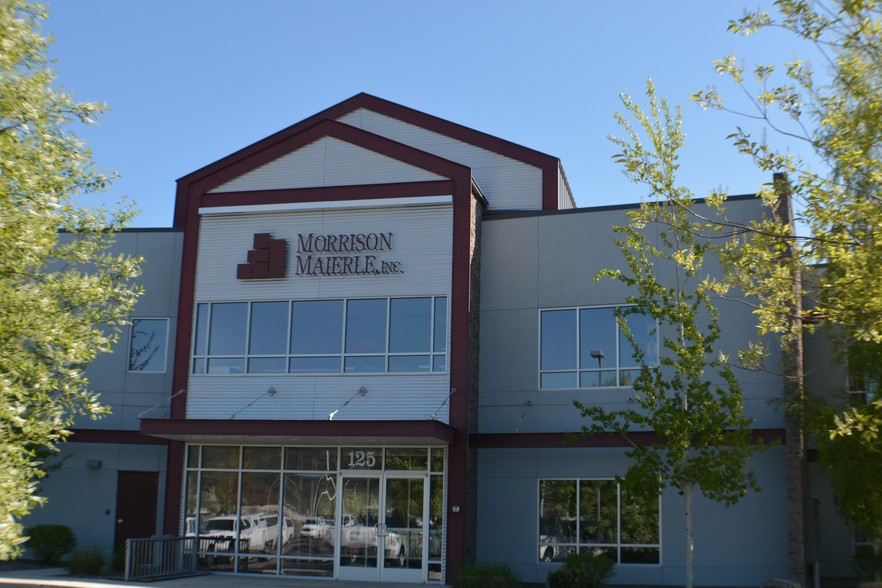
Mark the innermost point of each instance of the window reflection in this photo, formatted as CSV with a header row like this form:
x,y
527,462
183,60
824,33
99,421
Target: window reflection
x,y
588,348
597,516
379,335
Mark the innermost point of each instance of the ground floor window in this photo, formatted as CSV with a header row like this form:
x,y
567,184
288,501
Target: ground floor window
x,y
597,516
368,513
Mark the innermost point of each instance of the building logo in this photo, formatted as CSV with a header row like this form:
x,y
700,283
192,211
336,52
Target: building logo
x,y
345,254
266,260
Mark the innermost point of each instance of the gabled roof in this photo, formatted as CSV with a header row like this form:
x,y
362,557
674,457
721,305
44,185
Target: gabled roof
x,y
284,141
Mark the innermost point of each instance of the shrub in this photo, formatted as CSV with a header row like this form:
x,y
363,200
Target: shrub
x,y
487,576
86,563
582,570
49,543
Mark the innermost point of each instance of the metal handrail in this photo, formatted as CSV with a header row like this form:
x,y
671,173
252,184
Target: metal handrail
x,y
161,557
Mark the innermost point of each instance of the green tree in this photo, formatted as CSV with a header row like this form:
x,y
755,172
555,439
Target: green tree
x,y
690,398
63,298
835,119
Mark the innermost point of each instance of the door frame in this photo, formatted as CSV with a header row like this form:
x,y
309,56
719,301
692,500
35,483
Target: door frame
x,y
382,572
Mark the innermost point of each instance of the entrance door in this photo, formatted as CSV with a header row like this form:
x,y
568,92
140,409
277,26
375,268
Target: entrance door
x,y
135,506
380,537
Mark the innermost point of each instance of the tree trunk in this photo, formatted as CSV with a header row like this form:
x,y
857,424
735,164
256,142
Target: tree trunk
x,y
794,387
690,545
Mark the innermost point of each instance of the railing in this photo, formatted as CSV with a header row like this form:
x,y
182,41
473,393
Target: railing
x,y
161,557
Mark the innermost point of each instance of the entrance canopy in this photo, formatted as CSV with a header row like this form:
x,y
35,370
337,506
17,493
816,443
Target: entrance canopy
x,y
279,432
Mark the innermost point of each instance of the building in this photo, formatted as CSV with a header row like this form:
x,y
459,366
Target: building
x,y
360,337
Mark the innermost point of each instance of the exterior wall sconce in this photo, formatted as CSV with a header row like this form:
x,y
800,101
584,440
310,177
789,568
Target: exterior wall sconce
x,y
93,464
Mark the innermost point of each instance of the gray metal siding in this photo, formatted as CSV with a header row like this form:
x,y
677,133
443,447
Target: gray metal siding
x,y
550,261
389,397
422,242
327,162
507,184
565,199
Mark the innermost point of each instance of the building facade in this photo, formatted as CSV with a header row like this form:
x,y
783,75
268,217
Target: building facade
x,y
357,357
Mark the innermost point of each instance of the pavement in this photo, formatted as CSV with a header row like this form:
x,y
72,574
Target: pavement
x,y
58,577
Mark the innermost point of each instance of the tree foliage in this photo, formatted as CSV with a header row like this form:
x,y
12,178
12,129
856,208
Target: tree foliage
x,y
834,118
63,297
691,398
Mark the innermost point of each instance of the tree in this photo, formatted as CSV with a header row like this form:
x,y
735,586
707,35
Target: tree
x,y
63,298
835,118
690,398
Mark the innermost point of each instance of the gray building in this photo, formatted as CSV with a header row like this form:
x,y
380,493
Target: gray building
x,y
359,348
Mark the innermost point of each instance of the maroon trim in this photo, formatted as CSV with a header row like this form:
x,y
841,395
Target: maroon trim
x,y
564,440
359,192
548,164
262,152
193,193
183,428
459,379
174,488
112,436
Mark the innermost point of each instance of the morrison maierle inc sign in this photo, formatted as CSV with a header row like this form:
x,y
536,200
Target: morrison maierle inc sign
x,y
345,254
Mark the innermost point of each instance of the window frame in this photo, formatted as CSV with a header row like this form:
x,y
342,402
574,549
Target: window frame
x,y
580,546
579,370
163,345
201,357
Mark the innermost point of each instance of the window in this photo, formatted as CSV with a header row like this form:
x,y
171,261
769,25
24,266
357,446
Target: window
x,y
374,335
147,344
586,348
597,516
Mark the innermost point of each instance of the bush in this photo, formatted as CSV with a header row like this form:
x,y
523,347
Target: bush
x,y
49,543
487,576
582,570
86,563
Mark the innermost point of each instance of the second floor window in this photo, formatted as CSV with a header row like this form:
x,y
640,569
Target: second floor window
x,y
147,345
375,335
586,348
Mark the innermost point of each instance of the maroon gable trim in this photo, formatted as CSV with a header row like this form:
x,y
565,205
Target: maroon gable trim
x,y
547,163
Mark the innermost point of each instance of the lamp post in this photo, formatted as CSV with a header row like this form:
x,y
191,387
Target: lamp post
x,y
598,355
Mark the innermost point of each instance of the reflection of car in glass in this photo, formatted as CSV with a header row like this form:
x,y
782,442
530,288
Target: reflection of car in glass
x,y
287,530
318,528
553,530
360,541
252,528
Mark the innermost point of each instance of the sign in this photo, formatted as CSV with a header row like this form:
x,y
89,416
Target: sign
x,y
266,260
343,254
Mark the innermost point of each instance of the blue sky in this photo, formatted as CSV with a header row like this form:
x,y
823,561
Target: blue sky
x,y
189,82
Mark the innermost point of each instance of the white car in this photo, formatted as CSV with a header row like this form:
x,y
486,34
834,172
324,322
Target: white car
x,y
318,528
252,528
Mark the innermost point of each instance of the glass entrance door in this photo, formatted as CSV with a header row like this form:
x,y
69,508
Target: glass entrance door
x,y
380,533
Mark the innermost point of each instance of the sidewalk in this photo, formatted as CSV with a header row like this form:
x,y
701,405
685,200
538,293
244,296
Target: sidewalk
x,y
58,577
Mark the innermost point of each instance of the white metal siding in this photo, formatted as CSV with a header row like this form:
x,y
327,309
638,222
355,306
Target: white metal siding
x,y
422,242
507,183
389,397
327,162
564,196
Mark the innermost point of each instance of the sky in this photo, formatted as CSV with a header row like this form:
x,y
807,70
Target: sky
x,y
189,82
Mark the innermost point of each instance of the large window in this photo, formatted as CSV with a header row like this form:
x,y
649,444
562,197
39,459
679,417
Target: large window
x,y
375,335
274,510
147,345
586,347
597,516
